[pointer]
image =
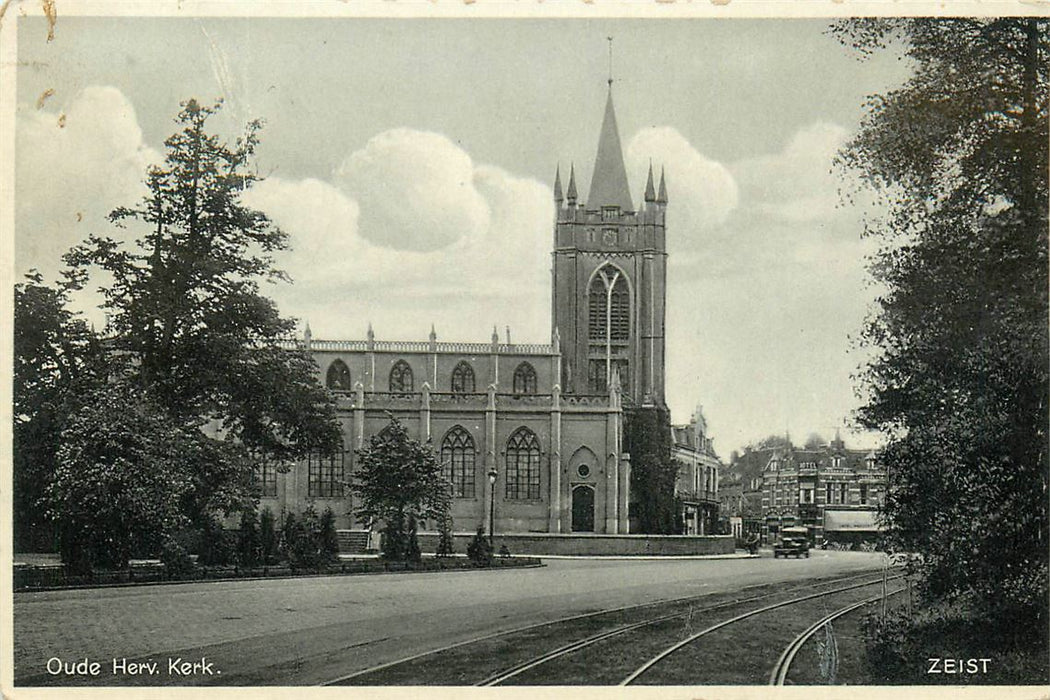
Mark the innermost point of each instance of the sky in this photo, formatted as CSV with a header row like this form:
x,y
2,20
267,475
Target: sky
x,y
411,163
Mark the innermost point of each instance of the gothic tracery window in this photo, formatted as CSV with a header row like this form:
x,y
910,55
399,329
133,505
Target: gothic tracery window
x,y
463,379
401,377
457,459
338,376
523,465
525,379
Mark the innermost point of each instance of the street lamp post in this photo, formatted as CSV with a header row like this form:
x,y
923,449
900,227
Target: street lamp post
x,y
492,503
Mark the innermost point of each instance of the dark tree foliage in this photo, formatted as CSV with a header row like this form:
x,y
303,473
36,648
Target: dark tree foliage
x,y
186,310
399,481
647,438
56,359
958,158
268,539
479,550
249,543
328,538
446,545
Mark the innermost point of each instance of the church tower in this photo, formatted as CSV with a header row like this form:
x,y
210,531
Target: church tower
x,y
609,278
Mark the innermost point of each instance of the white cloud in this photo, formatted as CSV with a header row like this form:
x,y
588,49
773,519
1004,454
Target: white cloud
x,y
416,189
74,165
797,184
701,192
486,247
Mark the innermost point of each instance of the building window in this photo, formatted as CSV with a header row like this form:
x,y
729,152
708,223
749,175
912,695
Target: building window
x,y
457,459
828,492
836,462
597,311
463,379
338,376
266,478
523,465
806,495
400,377
619,310
864,494
843,493
525,379
325,475
623,368
597,382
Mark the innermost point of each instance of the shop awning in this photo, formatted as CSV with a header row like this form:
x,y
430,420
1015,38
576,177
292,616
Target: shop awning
x,y
850,521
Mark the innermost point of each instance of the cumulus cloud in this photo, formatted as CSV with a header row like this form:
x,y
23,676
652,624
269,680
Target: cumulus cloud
x,y
417,190
424,237
797,184
74,164
702,191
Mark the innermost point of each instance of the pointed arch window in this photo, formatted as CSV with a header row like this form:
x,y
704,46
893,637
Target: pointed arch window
x,y
523,465
457,460
401,377
609,306
525,379
463,379
338,376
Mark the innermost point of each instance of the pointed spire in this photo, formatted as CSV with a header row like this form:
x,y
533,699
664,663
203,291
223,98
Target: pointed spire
x,y
609,181
495,335
571,195
371,333
433,333
557,186
662,197
650,191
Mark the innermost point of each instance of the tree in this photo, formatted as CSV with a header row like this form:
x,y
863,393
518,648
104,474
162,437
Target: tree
x,y
249,543
814,442
647,438
268,540
121,478
328,538
400,482
190,326
958,159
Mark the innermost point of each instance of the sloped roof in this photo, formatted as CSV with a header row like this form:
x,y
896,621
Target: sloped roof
x,y
609,182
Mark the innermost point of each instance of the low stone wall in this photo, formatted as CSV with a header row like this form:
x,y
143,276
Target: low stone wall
x,y
584,544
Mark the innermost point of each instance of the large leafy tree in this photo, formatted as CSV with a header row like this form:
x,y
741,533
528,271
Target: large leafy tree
x,y
191,333
400,481
56,356
958,157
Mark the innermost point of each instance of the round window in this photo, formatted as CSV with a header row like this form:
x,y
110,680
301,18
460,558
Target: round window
x,y
584,471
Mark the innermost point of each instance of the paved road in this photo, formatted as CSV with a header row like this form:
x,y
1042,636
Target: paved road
x,y
307,631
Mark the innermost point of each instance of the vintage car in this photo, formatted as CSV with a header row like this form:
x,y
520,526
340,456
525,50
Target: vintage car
x,y
791,544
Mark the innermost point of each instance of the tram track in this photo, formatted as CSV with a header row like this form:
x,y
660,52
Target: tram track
x,y
500,676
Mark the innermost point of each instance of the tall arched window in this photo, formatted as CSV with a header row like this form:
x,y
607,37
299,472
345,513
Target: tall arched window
x,y
608,306
619,310
597,316
523,465
338,376
400,377
525,379
457,459
463,379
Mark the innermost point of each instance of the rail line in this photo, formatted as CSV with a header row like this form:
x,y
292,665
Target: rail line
x,y
648,665
783,665
579,644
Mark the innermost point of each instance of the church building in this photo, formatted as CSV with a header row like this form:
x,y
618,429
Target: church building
x,y
533,432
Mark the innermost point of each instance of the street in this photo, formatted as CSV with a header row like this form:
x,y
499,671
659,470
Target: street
x,y
311,630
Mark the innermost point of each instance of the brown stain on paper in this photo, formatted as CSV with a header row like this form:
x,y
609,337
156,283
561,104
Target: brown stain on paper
x,y
62,121
43,97
51,14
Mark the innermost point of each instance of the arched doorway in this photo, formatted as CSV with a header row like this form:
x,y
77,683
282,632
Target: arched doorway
x,y
583,509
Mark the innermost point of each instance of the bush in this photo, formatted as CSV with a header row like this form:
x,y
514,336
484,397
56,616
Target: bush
x,y
445,546
177,561
394,545
268,542
304,551
216,545
480,549
503,551
328,538
249,546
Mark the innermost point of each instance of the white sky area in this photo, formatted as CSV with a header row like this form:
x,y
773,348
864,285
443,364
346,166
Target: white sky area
x,y
411,163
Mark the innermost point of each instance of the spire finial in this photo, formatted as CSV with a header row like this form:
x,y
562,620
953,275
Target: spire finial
x,y
558,197
571,195
650,190
610,39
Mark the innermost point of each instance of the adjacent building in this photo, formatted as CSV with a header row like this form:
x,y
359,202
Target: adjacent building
x,y
697,486
833,491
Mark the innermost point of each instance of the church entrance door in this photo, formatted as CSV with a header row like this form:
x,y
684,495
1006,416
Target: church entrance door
x,y
583,509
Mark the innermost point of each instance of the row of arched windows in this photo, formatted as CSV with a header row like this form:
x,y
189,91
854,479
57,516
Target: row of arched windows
x,y
402,381
522,475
